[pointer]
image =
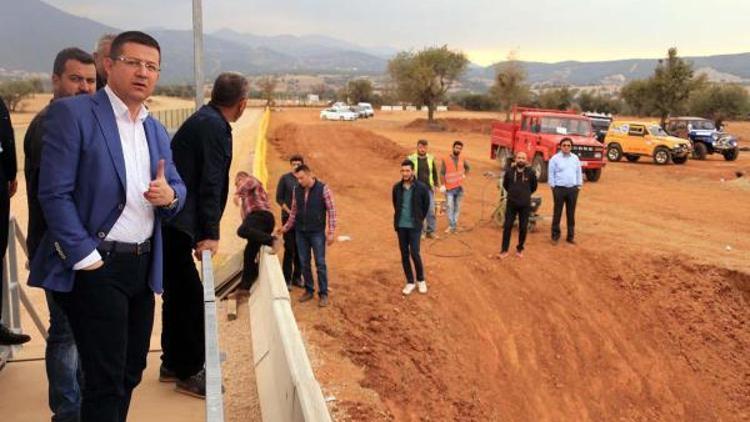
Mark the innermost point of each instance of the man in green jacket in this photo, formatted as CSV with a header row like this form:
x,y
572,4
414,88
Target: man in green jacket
x,y
426,172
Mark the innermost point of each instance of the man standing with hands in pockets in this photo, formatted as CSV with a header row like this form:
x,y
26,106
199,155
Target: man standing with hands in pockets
x,y
106,181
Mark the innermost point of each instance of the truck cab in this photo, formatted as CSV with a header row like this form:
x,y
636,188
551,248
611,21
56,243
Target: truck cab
x,y
538,133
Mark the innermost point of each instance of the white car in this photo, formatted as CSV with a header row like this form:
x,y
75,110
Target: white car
x,y
366,109
338,114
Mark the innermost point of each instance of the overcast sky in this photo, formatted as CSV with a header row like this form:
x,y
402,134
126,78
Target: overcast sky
x,y
540,30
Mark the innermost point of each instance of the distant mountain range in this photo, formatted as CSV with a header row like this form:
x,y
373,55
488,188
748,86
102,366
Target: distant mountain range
x,y
32,32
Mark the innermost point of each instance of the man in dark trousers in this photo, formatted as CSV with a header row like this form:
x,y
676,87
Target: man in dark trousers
x,y
73,73
426,170
411,202
8,186
284,193
566,180
312,207
106,181
202,151
520,182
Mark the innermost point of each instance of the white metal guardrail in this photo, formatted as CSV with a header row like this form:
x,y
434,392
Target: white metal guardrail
x,y
13,294
214,398
287,388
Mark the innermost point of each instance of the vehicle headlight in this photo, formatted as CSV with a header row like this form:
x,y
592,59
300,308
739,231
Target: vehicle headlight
x,y
715,136
597,155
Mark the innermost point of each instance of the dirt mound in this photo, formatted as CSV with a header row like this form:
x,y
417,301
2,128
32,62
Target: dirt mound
x,y
616,328
483,126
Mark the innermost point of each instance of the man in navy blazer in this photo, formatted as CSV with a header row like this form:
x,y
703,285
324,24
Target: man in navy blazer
x,y
106,182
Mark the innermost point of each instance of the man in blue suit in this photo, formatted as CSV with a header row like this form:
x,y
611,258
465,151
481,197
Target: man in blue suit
x,y
106,182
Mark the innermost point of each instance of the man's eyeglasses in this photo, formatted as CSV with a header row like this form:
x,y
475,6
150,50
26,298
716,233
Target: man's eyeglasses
x,y
137,64
566,146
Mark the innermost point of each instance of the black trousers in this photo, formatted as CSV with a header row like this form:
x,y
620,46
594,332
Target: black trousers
x,y
291,266
182,335
408,243
567,197
4,223
111,313
511,211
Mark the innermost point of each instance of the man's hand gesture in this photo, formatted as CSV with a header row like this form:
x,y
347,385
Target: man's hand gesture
x,y
159,193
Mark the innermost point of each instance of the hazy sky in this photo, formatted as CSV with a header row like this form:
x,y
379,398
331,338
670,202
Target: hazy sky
x,y
540,30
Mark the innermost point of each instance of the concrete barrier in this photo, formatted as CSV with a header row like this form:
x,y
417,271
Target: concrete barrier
x,y
287,388
386,108
411,108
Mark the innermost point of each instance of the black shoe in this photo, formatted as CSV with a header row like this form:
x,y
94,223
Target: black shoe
x,y
166,374
305,297
555,240
571,241
193,386
323,301
9,338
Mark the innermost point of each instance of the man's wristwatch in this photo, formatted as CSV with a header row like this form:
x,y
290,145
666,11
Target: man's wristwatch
x,y
172,204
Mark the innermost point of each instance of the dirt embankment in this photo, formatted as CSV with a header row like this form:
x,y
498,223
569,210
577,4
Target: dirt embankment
x,y
631,324
452,124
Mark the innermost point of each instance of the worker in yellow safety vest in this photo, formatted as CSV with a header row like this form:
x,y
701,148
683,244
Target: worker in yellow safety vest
x,y
425,170
453,171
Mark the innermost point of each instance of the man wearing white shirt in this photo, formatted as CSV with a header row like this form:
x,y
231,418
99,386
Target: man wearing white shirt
x,y
106,182
566,179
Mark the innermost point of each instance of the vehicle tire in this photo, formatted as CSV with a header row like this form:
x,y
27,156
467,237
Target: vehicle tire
x,y
502,154
731,154
662,156
614,152
700,151
680,160
540,168
633,158
593,175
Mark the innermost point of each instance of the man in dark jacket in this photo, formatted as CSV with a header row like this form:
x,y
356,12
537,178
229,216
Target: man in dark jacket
x,y
284,194
8,186
73,73
202,151
411,202
312,208
520,182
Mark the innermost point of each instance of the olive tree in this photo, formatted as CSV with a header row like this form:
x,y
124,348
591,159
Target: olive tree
x,y
424,77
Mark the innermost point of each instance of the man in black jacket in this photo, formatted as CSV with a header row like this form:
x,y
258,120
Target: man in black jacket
x,y
8,186
73,73
411,202
202,152
520,182
284,194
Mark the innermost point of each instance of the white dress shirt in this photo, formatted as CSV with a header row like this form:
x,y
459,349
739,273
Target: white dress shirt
x,y
136,223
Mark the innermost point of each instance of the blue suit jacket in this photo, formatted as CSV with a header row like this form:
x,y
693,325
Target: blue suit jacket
x,y
82,187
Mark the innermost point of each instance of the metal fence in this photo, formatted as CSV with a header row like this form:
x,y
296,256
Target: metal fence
x,y
172,119
13,294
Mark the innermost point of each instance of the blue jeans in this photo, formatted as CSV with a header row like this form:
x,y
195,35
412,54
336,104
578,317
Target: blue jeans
x,y
431,220
317,242
453,204
63,369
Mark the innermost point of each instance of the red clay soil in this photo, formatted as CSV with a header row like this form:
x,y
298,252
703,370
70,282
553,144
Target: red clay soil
x,y
452,124
645,319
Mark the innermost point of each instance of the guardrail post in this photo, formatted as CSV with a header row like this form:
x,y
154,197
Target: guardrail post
x,y
214,399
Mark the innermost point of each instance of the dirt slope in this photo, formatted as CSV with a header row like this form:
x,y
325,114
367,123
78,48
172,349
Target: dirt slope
x,y
646,319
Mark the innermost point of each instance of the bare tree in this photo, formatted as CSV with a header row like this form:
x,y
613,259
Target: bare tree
x,y
510,87
267,87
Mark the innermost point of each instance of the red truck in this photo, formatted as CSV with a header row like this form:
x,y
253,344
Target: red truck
x,y
539,132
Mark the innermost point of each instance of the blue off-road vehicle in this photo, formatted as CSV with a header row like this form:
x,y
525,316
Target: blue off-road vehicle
x,y
704,136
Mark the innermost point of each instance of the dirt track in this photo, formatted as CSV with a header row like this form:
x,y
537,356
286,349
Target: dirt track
x,y
646,319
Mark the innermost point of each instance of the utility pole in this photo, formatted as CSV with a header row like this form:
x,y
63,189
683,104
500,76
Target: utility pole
x,y
198,51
